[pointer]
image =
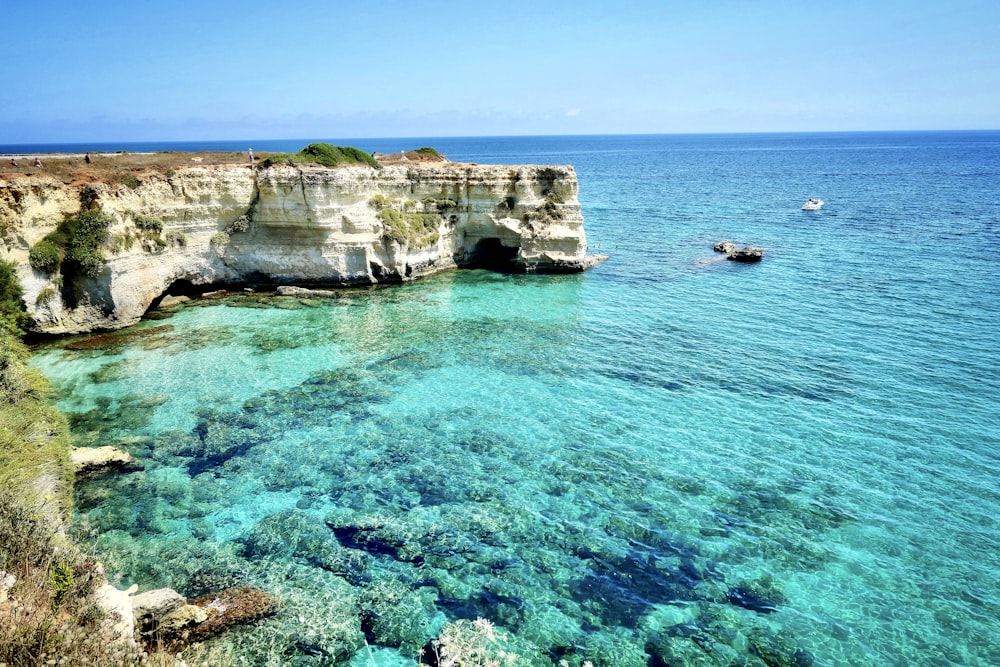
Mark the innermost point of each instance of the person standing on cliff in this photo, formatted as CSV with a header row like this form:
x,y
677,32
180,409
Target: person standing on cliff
x,y
250,153
86,158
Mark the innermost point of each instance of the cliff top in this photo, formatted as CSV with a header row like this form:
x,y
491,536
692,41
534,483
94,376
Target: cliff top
x,y
120,167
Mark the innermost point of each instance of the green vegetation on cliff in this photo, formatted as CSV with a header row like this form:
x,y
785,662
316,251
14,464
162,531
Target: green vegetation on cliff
x,y
74,247
407,227
13,318
427,151
324,154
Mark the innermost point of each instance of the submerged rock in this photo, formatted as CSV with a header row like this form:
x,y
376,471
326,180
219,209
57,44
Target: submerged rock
x,y
289,290
179,619
165,616
95,460
170,301
746,597
233,606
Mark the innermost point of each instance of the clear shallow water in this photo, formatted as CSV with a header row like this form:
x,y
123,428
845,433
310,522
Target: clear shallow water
x,y
668,460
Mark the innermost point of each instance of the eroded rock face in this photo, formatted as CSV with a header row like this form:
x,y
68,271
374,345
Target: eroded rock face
x,y
291,225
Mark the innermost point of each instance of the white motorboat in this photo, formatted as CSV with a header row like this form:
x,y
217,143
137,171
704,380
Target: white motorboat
x,y
813,204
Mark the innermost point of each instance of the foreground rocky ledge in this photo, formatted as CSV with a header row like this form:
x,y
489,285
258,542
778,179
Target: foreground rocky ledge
x,y
162,618
174,229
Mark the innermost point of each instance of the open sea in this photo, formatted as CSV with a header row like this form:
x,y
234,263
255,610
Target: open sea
x,y
668,460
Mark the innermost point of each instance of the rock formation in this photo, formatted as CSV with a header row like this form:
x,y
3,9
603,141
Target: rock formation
x,y
744,254
727,247
94,460
198,225
162,616
747,254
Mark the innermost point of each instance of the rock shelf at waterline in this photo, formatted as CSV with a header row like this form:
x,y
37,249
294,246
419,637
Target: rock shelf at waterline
x,y
97,244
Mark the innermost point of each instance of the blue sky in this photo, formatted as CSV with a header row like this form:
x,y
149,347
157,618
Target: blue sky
x,y
181,70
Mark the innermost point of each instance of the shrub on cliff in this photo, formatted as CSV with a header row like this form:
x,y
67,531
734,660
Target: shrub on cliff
x,y
89,231
427,151
324,154
44,257
13,318
74,246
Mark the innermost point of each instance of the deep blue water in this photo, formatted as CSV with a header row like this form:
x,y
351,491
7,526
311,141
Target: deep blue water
x,y
667,460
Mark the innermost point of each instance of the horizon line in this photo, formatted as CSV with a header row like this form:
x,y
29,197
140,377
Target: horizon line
x,y
492,136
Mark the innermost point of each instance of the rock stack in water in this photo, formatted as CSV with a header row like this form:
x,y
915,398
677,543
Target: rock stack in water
x,y
739,254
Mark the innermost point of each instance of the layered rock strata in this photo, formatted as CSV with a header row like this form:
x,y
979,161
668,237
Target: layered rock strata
x,y
307,225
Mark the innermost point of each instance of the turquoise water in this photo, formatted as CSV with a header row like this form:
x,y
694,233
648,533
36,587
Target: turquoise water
x,y
669,460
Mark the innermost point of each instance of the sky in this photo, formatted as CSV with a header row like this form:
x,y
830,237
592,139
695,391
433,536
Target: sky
x,y
185,70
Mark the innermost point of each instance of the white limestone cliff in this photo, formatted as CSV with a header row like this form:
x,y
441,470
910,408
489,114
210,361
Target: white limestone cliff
x,y
287,224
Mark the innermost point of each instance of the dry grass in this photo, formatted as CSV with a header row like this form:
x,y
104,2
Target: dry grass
x,y
73,169
114,167
34,436
49,616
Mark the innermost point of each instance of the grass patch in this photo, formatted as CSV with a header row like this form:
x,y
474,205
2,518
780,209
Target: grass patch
x,y
88,231
34,436
408,227
147,223
550,211
176,238
427,151
323,154
45,295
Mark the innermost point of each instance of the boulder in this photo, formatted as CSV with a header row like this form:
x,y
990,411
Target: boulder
x,y
727,247
233,606
208,615
170,301
184,617
94,460
737,254
747,254
151,607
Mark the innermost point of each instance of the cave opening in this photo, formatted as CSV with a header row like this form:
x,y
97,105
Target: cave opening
x,y
492,254
178,288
